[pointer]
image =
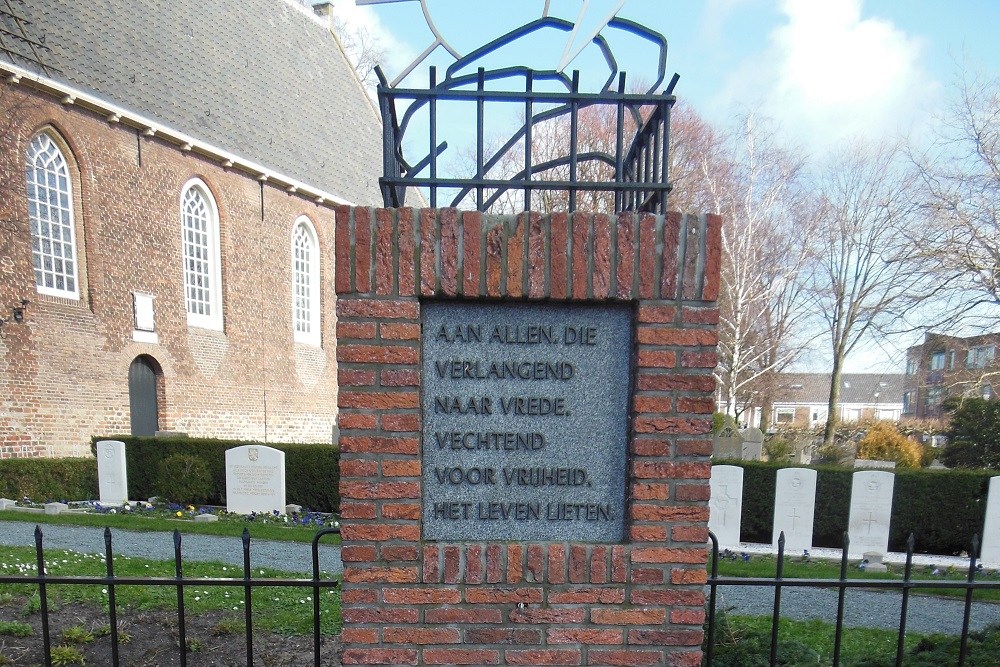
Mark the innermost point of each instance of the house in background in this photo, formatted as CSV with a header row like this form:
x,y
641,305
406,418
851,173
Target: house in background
x,y
170,174
943,366
801,399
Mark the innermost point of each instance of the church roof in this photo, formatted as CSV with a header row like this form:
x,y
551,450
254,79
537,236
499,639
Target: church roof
x,y
262,79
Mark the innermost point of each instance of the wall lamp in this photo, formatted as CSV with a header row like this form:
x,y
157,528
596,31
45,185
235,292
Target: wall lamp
x,y
16,313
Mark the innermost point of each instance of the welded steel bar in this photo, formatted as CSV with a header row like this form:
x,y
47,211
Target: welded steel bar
x,y
967,612
838,637
432,111
179,579
776,611
904,606
574,132
316,588
43,599
109,561
247,596
480,113
712,595
529,126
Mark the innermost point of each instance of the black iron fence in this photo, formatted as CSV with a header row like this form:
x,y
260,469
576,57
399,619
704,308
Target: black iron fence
x,y
905,586
178,582
613,145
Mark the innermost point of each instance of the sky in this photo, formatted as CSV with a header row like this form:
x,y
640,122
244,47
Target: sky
x,y
824,70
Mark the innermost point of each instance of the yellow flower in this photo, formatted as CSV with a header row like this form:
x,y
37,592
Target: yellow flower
x,y
180,514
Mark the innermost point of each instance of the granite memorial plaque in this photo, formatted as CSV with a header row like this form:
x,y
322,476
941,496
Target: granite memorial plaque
x,y
255,479
525,421
794,508
725,509
989,553
871,508
112,479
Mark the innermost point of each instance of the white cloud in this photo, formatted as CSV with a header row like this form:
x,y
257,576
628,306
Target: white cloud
x,y
828,73
398,53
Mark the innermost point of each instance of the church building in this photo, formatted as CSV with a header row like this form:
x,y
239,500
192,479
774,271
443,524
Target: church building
x,y
169,179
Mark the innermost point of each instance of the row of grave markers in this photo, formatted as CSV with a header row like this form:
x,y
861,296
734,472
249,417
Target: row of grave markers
x,y
795,508
255,477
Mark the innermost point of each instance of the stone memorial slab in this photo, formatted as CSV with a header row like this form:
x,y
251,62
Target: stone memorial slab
x,y
255,479
871,508
794,508
753,444
872,464
205,518
727,443
525,421
112,477
7,503
55,508
873,562
990,549
726,505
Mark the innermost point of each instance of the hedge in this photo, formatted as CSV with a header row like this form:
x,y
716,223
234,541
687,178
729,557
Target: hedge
x,y
43,480
312,472
942,508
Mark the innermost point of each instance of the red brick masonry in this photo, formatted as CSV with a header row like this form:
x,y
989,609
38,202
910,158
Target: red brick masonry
x,y
407,601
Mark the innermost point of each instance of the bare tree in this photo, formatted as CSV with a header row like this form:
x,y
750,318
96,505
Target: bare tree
x,y
960,178
866,266
757,190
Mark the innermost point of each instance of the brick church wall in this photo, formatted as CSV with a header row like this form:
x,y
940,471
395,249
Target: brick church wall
x,y
407,600
64,372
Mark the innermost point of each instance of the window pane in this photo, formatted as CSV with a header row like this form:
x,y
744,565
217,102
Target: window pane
x,y
49,208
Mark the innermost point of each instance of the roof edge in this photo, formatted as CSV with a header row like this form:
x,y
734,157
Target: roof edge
x,y
113,113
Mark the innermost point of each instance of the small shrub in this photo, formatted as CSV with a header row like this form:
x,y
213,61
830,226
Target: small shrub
x,y
183,479
15,629
718,421
884,442
779,450
67,655
77,635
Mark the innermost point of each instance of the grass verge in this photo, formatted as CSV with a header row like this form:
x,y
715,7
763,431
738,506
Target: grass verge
x,y
224,528
285,610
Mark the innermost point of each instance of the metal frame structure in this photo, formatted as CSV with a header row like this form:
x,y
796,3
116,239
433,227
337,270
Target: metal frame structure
x,y
636,164
179,582
905,585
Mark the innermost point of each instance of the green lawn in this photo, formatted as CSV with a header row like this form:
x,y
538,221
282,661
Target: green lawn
x,y
226,527
286,610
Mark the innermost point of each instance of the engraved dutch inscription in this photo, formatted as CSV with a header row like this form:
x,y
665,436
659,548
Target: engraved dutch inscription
x,y
525,420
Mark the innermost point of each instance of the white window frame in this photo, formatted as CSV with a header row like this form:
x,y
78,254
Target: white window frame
x,y
213,318
937,360
63,208
784,412
306,319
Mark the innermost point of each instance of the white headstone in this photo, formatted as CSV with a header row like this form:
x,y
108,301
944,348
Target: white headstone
x,y
990,549
726,505
255,479
753,444
112,479
728,443
794,508
871,509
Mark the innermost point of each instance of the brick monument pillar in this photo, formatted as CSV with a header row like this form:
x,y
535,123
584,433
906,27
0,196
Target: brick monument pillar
x,y
525,403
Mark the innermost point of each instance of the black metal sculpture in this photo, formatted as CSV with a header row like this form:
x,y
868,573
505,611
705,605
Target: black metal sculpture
x,y
626,170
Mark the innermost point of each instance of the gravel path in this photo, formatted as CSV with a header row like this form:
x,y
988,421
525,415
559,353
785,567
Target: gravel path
x,y
862,609
290,556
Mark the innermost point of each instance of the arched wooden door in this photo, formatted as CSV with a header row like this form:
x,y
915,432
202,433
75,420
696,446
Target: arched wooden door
x,y
142,396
